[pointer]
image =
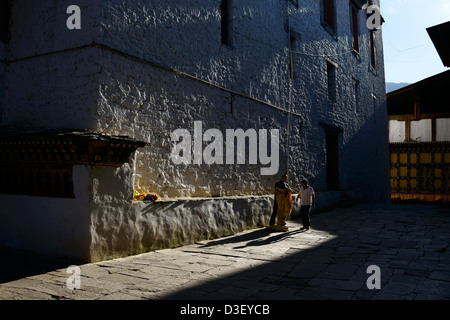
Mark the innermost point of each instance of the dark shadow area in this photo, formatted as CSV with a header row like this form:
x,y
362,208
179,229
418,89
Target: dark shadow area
x,y
441,203
17,264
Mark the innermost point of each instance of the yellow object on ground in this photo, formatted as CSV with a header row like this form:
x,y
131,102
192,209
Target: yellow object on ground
x,y
138,196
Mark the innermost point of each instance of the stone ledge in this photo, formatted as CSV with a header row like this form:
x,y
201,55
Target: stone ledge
x,y
185,199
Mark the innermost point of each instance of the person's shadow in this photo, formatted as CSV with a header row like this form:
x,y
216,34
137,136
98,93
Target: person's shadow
x,y
258,237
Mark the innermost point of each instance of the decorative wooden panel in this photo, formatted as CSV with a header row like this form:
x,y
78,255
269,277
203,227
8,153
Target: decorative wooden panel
x,y
420,171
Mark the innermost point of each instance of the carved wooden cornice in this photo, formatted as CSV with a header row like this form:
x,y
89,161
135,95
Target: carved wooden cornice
x,y
65,148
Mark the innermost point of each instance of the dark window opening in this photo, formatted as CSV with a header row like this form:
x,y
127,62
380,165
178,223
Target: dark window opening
x,y
356,94
226,15
37,181
372,49
355,31
374,101
332,165
331,80
5,7
328,12
292,57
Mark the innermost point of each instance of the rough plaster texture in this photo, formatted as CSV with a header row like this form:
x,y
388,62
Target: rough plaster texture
x,y
146,68
149,103
126,228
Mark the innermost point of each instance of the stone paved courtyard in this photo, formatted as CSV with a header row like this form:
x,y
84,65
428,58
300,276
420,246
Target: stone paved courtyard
x,y
408,243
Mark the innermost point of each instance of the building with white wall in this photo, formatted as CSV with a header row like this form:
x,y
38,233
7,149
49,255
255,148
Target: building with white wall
x,y
141,82
419,132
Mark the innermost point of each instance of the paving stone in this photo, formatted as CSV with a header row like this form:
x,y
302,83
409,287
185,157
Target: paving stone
x,y
121,296
364,294
440,275
407,278
6,294
293,283
393,296
317,293
260,286
398,288
308,272
336,284
440,290
283,294
338,271
47,288
19,293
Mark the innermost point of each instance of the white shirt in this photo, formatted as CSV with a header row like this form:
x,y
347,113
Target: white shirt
x,y
306,196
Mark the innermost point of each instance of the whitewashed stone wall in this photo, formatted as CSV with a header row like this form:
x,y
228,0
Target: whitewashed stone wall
x,y
146,68
135,227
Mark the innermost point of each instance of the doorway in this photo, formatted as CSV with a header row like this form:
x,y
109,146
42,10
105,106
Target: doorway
x,y
332,158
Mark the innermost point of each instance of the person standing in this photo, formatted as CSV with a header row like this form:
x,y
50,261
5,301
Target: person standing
x,y
307,200
282,205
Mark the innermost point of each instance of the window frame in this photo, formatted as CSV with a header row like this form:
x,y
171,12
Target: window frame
x,y
332,82
326,17
354,25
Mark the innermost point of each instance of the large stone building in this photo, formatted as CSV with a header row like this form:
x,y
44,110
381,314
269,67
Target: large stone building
x,y
100,98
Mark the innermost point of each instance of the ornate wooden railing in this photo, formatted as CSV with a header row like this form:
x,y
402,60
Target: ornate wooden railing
x,y
420,170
